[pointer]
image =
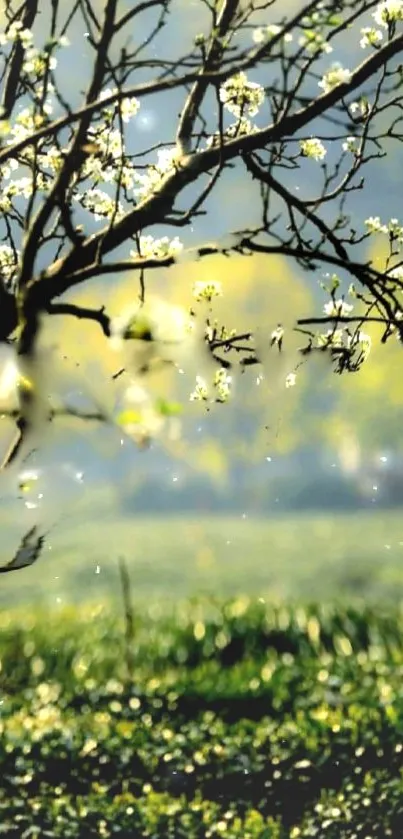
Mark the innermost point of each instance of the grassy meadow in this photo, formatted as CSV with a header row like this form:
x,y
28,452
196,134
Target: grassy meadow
x,y
221,719
304,557
253,691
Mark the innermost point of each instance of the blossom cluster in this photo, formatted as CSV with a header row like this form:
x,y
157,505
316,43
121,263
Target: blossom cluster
x,y
370,37
200,392
359,109
207,290
240,96
277,336
37,62
350,145
314,42
393,228
362,342
291,380
150,181
16,32
99,203
128,106
104,162
357,344
396,273
334,77
331,338
8,264
312,38
313,148
387,12
222,385
267,33
241,128
27,122
337,308
157,248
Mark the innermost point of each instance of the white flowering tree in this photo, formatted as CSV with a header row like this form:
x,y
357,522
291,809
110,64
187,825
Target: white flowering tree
x,y
82,197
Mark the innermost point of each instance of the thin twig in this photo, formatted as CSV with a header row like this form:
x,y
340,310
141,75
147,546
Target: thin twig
x,y
128,617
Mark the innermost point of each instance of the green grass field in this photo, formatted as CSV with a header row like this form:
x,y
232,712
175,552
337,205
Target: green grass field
x,y
306,557
238,708
235,719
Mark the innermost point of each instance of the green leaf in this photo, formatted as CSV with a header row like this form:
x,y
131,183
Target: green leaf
x,y
168,409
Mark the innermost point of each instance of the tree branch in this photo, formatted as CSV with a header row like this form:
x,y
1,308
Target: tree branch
x,y
82,313
154,209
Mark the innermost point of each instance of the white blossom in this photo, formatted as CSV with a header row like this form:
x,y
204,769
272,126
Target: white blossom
x,y
159,248
259,35
331,338
350,145
107,163
396,273
387,12
222,384
10,166
337,308
241,128
21,187
370,37
150,181
206,290
291,380
129,105
241,96
25,124
5,203
362,106
16,32
374,225
277,335
361,341
99,203
8,263
36,62
334,77
313,148
395,230
265,33
108,141
52,159
200,393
